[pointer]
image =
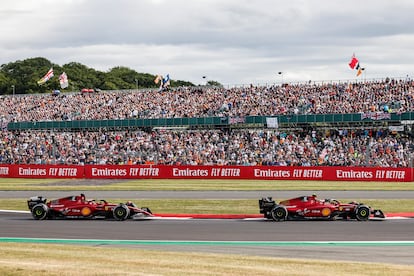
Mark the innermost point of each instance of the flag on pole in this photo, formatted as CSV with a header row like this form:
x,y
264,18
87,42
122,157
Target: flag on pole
x,y
63,80
157,79
354,62
46,77
359,70
166,81
355,65
163,81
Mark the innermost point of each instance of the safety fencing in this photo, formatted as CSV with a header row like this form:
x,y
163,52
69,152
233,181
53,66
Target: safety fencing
x,y
282,120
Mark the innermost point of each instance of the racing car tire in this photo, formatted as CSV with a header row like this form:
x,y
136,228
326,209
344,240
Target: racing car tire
x,y
279,213
362,213
40,211
121,212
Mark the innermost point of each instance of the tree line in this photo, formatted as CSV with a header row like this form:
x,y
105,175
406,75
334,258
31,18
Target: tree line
x,y
20,77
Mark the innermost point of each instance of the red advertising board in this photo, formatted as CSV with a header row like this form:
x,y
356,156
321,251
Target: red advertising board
x,y
208,172
250,172
42,171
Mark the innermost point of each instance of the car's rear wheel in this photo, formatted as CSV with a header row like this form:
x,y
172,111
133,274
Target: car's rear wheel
x,y
279,213
362,213
39,211
121,212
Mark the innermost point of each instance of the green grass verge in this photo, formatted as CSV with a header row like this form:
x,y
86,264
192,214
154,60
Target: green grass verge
x,y
53,259
17,184
231,206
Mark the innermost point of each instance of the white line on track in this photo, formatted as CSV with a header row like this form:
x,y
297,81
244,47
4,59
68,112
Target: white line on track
x,y
14,211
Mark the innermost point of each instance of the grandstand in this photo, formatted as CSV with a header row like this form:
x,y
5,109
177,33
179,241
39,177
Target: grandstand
x,y
328,124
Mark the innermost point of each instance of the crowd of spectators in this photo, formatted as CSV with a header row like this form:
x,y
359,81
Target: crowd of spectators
x,y
208,147
386,96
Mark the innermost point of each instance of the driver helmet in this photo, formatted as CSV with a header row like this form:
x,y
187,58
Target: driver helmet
x,y
130,203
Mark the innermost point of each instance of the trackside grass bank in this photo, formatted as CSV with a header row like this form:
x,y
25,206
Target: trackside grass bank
x,y
55,259
18,184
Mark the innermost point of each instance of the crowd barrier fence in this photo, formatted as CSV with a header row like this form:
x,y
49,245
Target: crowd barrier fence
x,y
283,120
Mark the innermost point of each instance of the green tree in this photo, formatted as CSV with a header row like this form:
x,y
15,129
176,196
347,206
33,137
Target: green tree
x,y
214,83
25,74
80,76
5,84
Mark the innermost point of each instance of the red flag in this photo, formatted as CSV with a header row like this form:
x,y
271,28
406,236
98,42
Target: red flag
x,y
354,62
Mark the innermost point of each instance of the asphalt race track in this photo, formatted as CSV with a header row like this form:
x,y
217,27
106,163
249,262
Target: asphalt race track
x,y
390,241
296,234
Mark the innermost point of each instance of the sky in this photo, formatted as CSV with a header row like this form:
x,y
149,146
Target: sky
x,y
234,42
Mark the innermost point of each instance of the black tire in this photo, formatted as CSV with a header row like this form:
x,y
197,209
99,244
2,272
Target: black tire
x,y
121,212
279,213
40,211
362,213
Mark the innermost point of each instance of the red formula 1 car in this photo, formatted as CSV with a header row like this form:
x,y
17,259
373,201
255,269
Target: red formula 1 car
x,y
309,207
79,207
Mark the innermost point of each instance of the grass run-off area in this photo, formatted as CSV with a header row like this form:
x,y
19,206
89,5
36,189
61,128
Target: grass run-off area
x,y
22,184
53,259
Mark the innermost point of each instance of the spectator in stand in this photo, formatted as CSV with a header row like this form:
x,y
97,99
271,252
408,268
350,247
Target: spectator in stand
x,y
381,96
208,147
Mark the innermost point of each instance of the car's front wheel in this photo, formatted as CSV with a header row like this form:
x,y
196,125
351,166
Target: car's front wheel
x,y
39,211
121,212
362,213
